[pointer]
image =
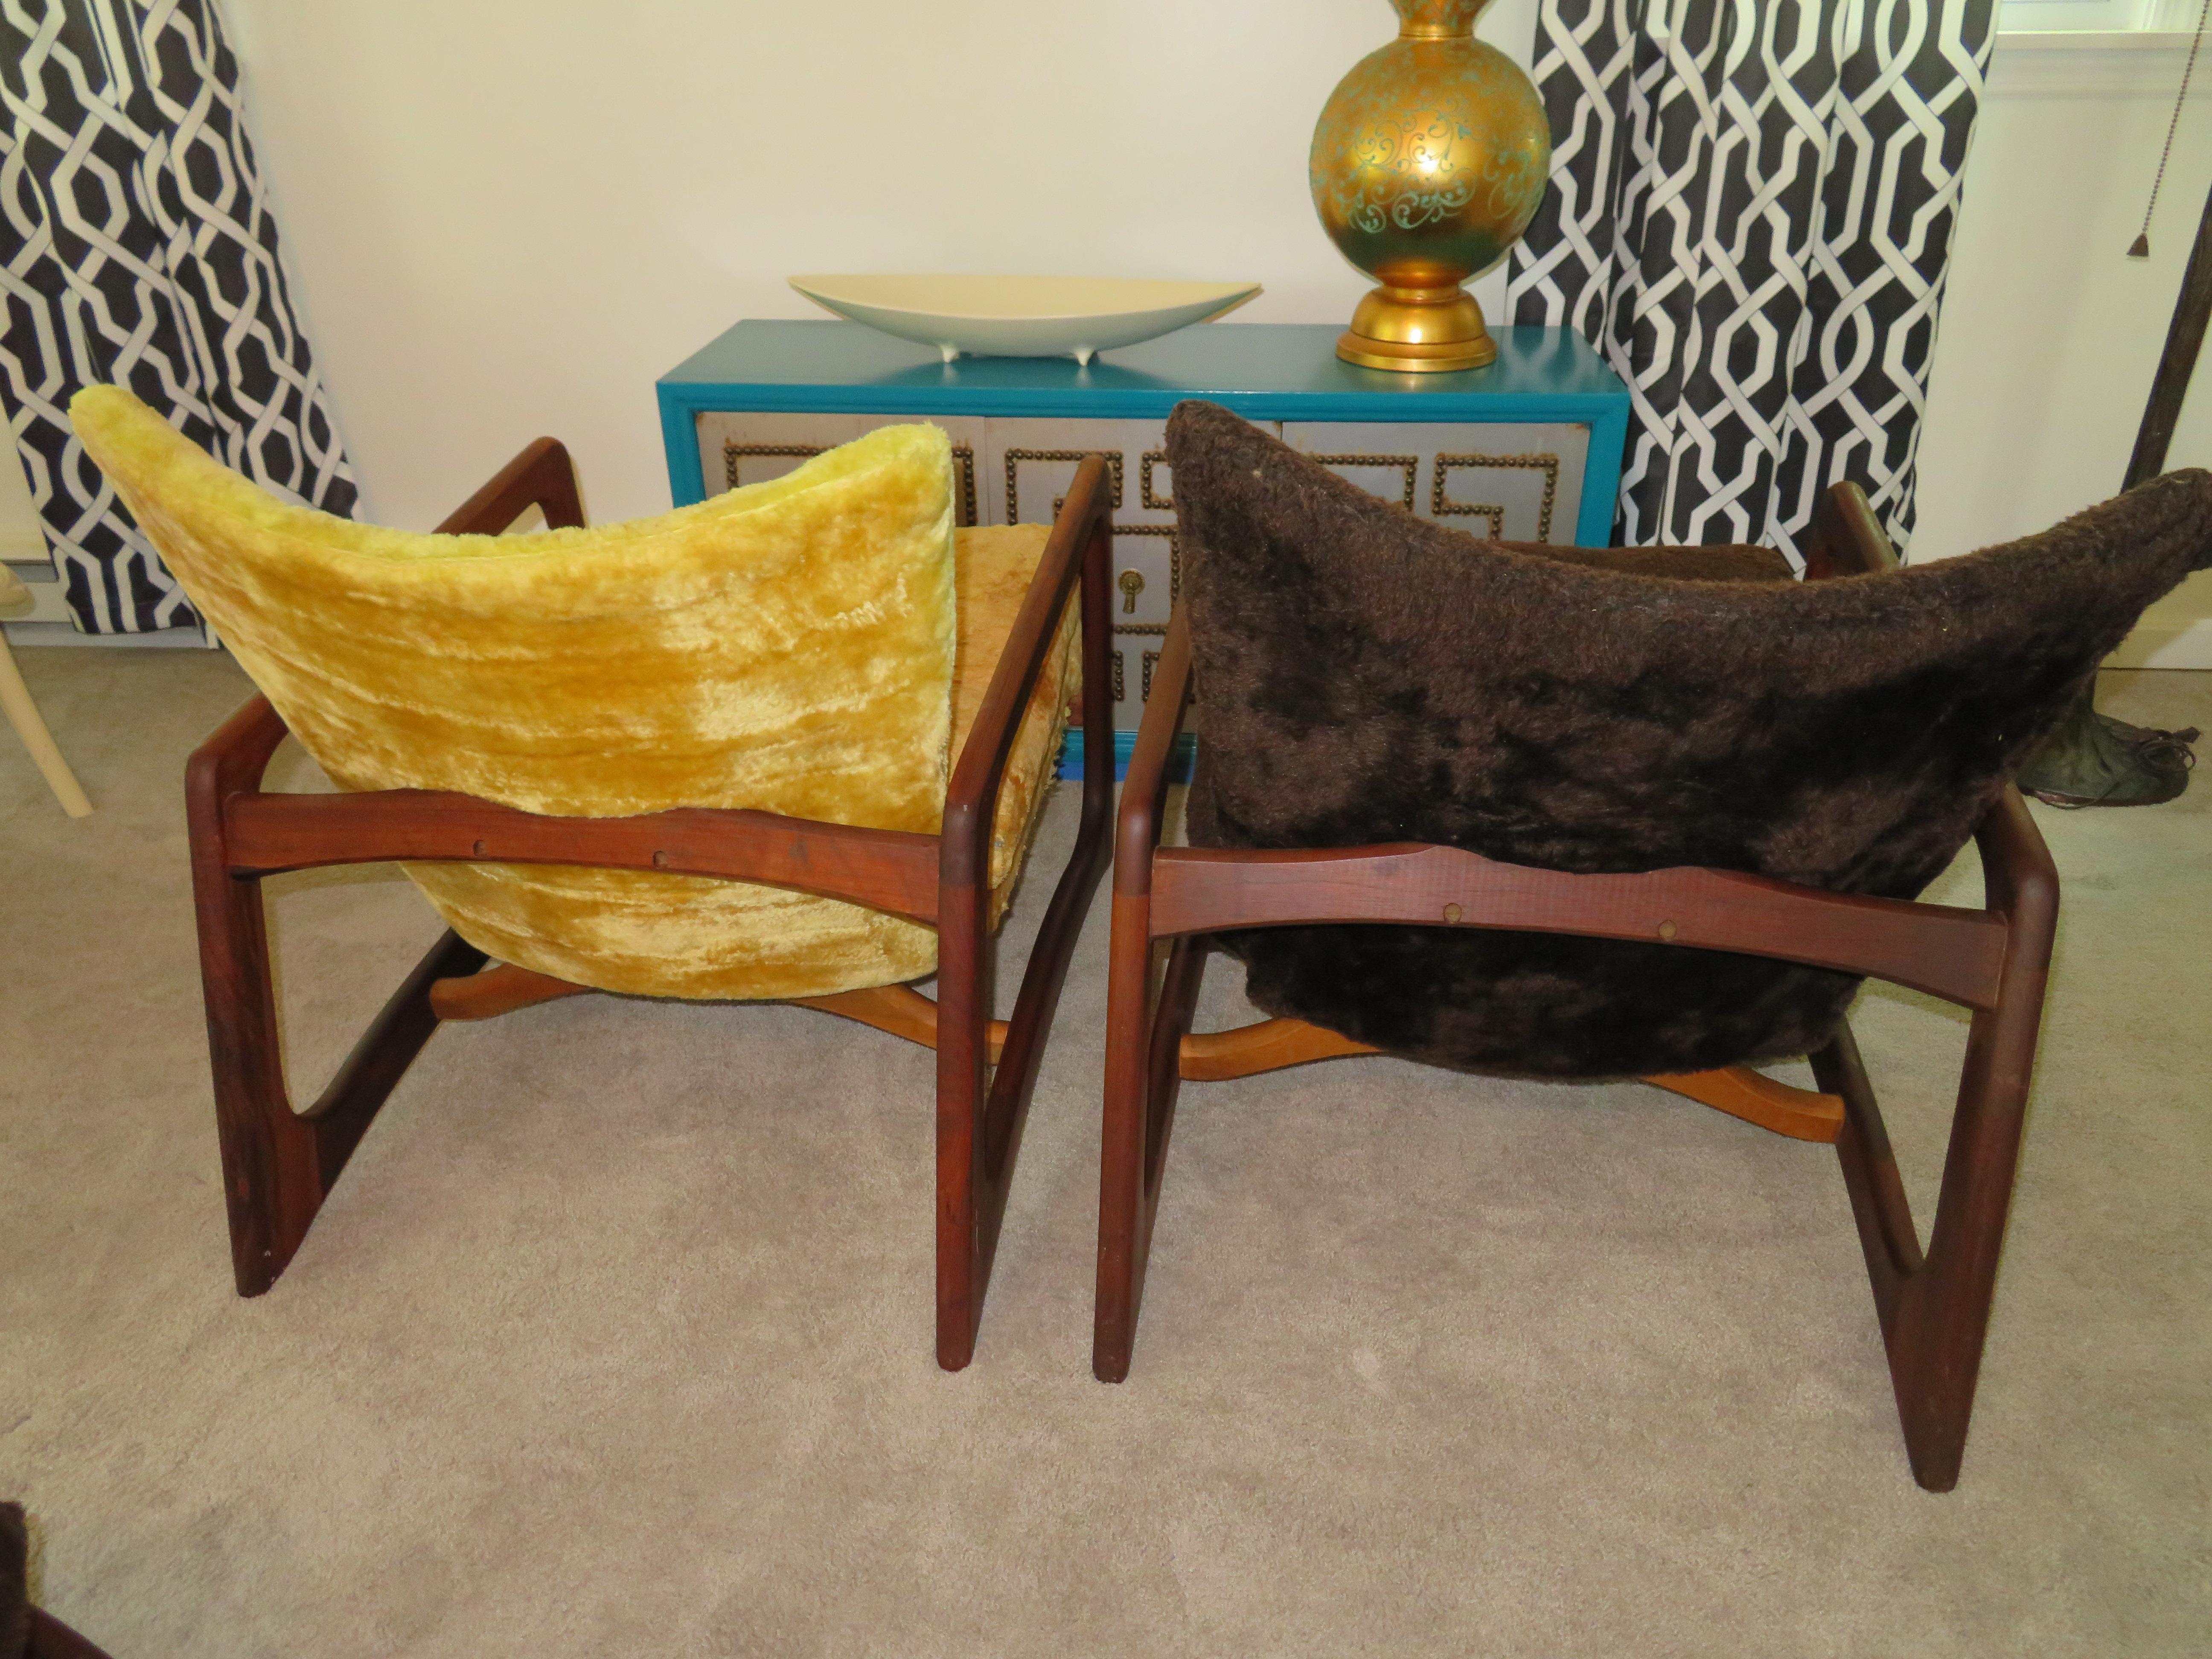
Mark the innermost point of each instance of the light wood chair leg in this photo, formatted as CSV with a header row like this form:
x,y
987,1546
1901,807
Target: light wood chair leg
x,y
1800,1113
23,716
1268,1045
899,1010
1271,1044
499,989
504,989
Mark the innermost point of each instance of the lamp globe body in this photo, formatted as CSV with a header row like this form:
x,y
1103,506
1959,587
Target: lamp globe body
x,y
1428,163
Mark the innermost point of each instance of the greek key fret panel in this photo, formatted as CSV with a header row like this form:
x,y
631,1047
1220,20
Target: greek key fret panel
x,y
1442,506
735,454
1167,532
1145,462
963,471
1494,515
1016,457
1135,630
1138,573
1410,465
1536,466
964,480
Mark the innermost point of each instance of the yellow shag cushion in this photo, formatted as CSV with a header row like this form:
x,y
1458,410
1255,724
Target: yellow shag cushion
x,y
789,646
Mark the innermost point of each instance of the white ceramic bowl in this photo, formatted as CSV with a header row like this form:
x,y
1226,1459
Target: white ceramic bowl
x,y
1022,316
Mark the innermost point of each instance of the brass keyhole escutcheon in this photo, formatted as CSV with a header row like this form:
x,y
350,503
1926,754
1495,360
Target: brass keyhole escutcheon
x,y
1132,583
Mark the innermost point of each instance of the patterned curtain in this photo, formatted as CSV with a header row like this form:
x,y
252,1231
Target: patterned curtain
x,y
136,247
1751,211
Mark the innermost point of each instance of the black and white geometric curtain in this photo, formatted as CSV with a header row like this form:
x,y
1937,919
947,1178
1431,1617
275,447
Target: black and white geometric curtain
x,y
1751,216
136,247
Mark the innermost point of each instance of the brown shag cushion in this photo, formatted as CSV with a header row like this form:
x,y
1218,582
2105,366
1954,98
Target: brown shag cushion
x,y
1364,676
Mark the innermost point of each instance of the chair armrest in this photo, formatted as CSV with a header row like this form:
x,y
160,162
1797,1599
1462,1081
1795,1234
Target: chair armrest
x,y
1847,539
2019,876
1082,532
1950,952
541,477
232,759
1144,791
893,870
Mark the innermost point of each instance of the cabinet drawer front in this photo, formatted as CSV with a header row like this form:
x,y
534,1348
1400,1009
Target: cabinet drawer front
x,y
1033,462
1519,482
743,448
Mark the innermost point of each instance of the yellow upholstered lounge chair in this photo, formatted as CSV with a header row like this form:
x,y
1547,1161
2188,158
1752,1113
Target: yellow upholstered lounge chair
x,y
789,744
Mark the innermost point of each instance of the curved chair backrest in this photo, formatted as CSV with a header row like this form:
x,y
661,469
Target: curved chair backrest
x,y
788,646
1364,676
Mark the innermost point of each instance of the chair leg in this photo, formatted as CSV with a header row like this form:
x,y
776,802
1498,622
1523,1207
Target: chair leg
x,y
279,1164
49,1638
984,1079
983,1096
966,971
23,715
1143,1042
1934,1309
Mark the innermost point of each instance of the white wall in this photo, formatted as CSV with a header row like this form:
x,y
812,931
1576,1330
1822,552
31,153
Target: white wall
x,y
509,216
2051,334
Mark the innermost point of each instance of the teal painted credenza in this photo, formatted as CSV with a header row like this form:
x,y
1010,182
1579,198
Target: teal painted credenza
x,y
1528,448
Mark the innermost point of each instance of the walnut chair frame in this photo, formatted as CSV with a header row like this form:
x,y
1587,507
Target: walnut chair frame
x,y
1933,1305
278,1164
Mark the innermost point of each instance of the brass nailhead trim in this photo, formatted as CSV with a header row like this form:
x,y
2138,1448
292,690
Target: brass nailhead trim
x,y
1016,457
963,459
1174,550
1412,464
734,452
1440,508
1148,630
1145,465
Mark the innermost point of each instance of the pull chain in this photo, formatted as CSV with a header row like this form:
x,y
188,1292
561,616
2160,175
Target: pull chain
x,y
2140,249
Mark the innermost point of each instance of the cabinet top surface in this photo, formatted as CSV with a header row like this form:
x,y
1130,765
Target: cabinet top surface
x,y
1280,369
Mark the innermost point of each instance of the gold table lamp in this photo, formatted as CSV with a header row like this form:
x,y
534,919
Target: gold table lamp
x,y
1428,163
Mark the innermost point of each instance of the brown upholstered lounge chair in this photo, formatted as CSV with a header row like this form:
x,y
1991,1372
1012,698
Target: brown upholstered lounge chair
x,y
1277,515
279,1164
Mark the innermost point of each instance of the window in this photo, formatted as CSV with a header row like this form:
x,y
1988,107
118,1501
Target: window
x,y
2098,16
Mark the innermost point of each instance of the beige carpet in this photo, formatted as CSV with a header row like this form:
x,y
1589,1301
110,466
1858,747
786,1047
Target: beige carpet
x,y
616,1335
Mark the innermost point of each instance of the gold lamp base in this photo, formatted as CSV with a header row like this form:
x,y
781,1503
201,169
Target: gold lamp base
x,y
1417,330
